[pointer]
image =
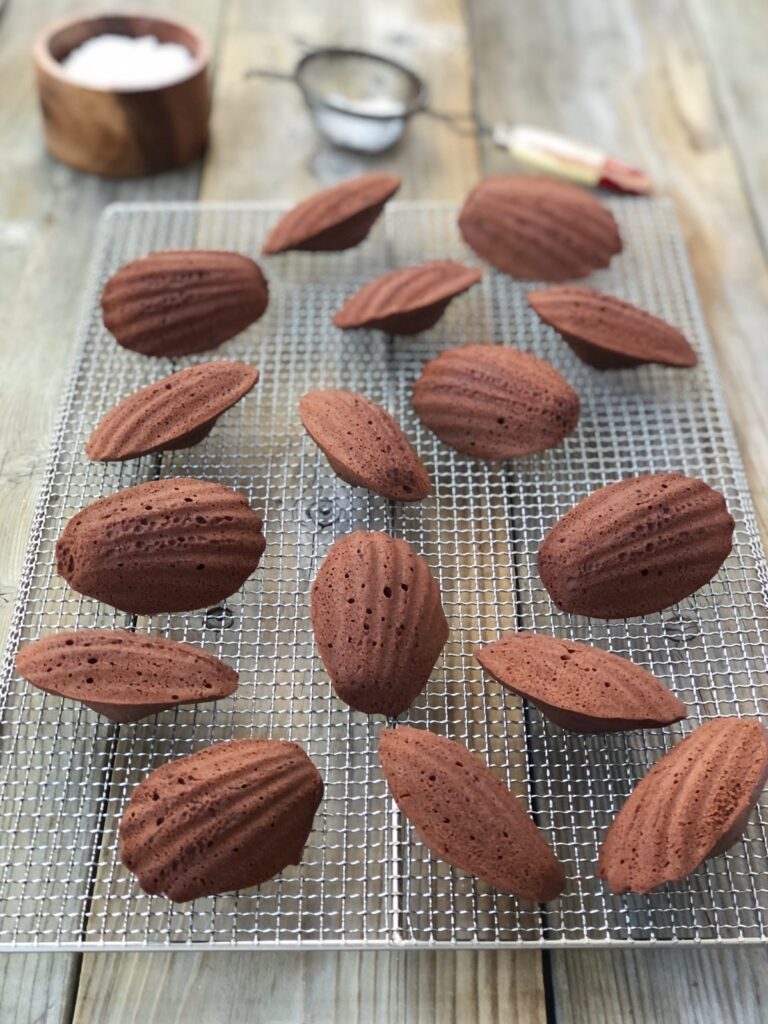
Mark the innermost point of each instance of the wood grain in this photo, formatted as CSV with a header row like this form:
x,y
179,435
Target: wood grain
x,y
642,89
262,116
633,79
734,49
311,988
48,215
38,988
122,133
684,986
255,115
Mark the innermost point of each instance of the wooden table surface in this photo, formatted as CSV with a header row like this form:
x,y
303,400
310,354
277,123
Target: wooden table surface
x,y
680,87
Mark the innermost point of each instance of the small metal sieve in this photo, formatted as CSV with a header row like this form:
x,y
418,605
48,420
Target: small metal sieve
x,y
362,101
358,100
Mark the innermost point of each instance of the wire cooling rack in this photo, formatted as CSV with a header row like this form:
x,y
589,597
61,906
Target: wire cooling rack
x,y
65,774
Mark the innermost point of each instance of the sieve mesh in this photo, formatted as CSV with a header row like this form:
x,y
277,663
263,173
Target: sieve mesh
x,y
365,879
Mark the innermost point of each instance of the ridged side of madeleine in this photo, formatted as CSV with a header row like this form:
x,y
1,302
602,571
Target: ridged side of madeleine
x,y
124,676
184,301
693,804
465,815
228,817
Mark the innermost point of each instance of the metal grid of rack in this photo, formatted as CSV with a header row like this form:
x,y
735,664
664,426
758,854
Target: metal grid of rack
x,y
65,774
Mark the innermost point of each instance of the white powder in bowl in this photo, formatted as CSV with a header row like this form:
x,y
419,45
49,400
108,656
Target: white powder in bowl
x,y
127,62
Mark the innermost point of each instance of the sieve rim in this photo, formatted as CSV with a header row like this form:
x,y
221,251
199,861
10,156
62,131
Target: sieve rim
x,y
314,99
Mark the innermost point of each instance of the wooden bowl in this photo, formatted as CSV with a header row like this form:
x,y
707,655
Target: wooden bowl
x,y
129,132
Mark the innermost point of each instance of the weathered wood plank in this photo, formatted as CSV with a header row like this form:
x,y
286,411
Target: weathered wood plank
x,y
265,145
633,79
684,986
312,988
733,44
48,215
47,219
37,988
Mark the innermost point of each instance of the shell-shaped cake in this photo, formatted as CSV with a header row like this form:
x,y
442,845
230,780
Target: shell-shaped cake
x,y
364,445
162,546
693,804
408,300
636,546
579,687
124,676
538,229
175,412
494,402
336,218
378,621
606,332
466,816
179,302
231,816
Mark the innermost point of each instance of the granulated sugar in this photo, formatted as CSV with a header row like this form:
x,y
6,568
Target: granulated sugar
x,y
127,62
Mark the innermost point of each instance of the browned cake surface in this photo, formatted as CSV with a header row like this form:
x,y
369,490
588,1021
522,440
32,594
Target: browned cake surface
x,y
364,444
408,300
693,804
538,229
465,815
606,332
162,546
580,687
636,546
228,817
495,402
378,621
179,302
336,218
124,676
175,412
